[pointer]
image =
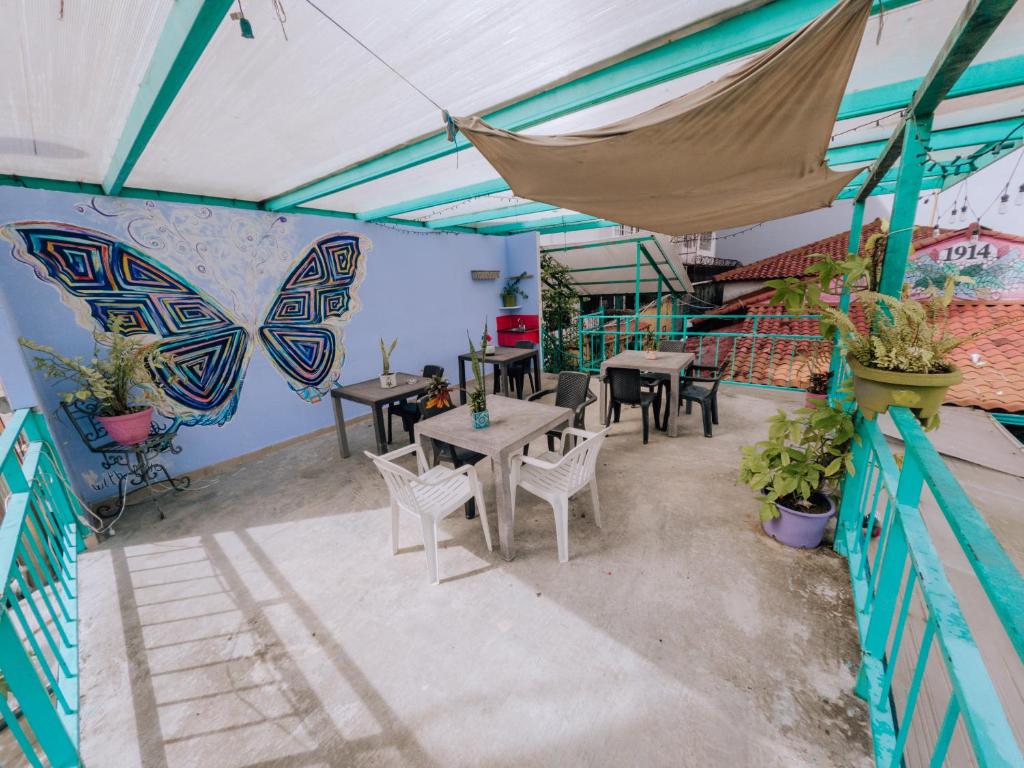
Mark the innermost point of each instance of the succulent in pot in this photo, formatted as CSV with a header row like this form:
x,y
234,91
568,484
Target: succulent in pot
x,y
120,383
650,343
388,380
796,471
478,394
511,291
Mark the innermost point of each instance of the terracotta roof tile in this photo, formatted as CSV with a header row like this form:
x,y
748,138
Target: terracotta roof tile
x,y
992,364
794,262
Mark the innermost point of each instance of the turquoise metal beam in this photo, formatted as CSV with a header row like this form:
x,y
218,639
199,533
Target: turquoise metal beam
x,y
683,281
650,260
480,189
728,40
595,224
533,225
983,161
977,22
522,209
189,27
636,299
605,267
980,78
596,244
904,207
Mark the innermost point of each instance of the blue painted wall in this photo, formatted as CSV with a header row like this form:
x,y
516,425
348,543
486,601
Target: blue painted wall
x,y
417,287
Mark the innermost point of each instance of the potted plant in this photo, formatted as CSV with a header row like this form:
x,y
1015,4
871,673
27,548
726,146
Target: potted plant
x,y
121,384
388,380
650,343
489,348
511,291
478,395
902,356
903,359
796,470
439,392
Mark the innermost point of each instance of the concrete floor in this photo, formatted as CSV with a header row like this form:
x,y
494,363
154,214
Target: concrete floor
x,y
266,623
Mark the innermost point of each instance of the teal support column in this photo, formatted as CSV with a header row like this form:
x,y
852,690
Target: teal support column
x,y
636,301
659,309
904,207
836,361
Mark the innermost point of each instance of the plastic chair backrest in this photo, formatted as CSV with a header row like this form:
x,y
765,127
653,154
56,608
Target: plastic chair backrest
x,y
399,482
625,384
432,370
673,345
581,461
572,390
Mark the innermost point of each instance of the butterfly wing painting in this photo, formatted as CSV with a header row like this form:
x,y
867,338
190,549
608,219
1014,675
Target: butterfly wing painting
x,y
302,328
102,279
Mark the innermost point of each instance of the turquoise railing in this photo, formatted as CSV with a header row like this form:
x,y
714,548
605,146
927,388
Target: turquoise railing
x,y
756,357
39,543
902,567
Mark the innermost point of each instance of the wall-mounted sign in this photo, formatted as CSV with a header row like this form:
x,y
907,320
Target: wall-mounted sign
x,y
994,265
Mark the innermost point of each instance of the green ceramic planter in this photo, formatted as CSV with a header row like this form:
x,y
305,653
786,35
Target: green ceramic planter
x,y
923,393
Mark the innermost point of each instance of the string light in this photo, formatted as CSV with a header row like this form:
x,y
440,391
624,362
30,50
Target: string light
x,y
1019,201
1004,201
975,233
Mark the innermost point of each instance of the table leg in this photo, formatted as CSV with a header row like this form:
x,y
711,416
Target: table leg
x,y
536,371
604,400
378,429
339,425
503,501
462,381
505,389
673,405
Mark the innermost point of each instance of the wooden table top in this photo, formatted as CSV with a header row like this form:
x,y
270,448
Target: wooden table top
x,y
513,422
503,355
665,362
370,392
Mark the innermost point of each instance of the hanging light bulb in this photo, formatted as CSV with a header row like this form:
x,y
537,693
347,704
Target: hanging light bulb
x,y
936,231
1004,202
243,23
1020,196
963,213
975,233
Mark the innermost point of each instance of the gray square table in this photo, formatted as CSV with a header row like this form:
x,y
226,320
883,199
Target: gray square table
x,y
501,358
671,363
514,423
371,393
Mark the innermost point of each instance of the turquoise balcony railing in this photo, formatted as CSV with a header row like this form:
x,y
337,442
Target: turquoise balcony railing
x,y
901,569
39,543
758,350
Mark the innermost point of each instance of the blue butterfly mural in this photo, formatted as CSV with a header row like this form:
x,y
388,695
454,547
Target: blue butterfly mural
x,y
207,348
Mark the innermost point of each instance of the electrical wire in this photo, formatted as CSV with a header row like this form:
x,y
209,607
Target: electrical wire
x,y
370,51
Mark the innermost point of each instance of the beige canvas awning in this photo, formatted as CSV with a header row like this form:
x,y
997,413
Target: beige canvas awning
x,y
749,147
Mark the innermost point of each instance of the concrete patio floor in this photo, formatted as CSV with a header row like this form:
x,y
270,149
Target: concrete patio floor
x,y
266,623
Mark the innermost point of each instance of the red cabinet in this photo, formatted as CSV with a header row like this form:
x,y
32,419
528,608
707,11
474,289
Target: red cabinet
x,y
513,328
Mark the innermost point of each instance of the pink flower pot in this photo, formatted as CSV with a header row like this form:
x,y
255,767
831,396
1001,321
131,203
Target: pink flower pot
x,y
811,399
130,428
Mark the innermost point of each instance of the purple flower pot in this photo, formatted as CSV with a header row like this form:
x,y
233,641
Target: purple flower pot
x,y
799,529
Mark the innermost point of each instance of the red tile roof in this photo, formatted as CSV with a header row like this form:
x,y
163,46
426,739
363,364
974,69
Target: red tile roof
x,y
992,364
794,262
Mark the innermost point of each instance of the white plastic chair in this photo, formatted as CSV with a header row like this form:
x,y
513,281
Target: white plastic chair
x,y
431,496
557,478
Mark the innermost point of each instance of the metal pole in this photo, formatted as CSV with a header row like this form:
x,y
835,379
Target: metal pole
x,y
904,207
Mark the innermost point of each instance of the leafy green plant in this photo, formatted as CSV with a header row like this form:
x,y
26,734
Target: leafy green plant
x,y
121,382
478,395
439,392
650,339
511,289
385,356
805,453
560,306
904,334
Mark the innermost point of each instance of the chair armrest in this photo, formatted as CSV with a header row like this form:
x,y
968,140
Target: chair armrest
x,y
421,460
538,395
521,459
465,469
579,433
711,368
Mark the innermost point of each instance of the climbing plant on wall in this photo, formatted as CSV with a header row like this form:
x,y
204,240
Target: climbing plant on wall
x,y
561,304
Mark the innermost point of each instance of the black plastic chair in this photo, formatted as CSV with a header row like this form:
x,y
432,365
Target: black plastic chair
x,y
517,372
661,379
410,412
626,388
442,451
572,391
705,396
